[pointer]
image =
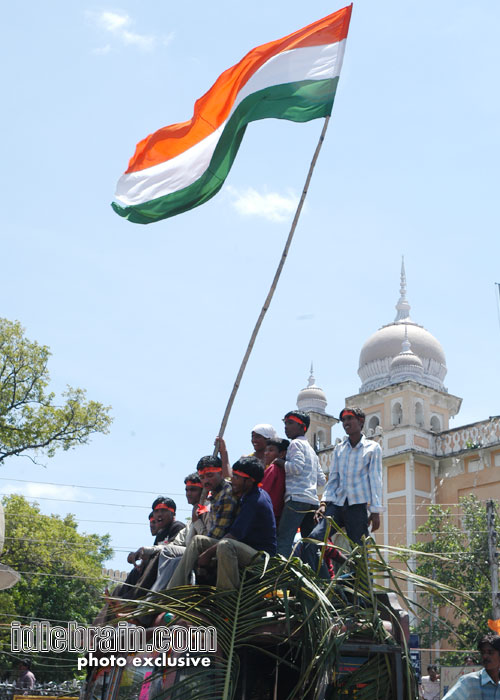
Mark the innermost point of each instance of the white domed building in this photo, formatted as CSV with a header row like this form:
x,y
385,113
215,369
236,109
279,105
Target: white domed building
x,y
402,367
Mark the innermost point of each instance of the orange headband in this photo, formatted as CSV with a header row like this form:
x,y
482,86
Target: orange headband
x,y
348,413
243,474
246,476
294,418
193,483
164,507
209,470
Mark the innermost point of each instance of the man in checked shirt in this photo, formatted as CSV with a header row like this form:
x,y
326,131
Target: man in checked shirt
x,y
354,486
223,509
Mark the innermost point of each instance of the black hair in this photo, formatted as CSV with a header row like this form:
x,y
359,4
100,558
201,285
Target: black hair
x,y
357,412
303,417
432,667
151,514
193,477
251,466
209,461
280,443
26,662
492,639
166,501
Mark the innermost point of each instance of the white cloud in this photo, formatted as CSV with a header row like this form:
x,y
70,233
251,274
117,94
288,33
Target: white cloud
x,y
168,38
119,24
36,490
142,41
269,205
102,50
112,21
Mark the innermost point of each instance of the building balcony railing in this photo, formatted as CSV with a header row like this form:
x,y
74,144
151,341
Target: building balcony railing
x,y
485,433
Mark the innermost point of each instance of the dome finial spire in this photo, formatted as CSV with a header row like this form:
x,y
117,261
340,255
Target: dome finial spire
x,y
311,376
402,307
406,345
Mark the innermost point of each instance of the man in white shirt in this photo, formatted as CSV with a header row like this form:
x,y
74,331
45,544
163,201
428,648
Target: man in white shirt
x,y
430,686
302,477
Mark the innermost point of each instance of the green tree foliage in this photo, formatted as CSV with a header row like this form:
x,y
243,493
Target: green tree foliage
x,y
30,421
463,542
61,577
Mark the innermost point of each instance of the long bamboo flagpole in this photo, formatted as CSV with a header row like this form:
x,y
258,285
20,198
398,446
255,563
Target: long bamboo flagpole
x,y
274,284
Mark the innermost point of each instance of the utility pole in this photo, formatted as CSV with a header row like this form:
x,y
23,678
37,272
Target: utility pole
x,y
493,559
431,622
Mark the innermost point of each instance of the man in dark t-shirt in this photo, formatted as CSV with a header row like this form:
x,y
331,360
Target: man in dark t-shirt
x,y
145,559
167,526
253,530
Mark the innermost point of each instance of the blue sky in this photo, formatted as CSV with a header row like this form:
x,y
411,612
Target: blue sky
x,y
154,319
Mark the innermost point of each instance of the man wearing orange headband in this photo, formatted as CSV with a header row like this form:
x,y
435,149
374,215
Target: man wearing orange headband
x,y
165,528
222,511
354,486
164,510
253,530
171,553
303,475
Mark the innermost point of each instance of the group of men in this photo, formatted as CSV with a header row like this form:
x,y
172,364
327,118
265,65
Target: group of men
x,y
242,505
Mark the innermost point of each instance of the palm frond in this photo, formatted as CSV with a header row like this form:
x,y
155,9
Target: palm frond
x,y
299,626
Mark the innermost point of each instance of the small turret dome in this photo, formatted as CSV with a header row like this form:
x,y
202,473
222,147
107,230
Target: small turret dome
x,y
312,398
406,365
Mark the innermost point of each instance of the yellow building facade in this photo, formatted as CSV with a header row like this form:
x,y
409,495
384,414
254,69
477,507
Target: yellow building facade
x,y
408,410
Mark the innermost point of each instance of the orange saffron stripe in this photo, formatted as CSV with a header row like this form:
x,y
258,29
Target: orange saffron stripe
x,y
211,110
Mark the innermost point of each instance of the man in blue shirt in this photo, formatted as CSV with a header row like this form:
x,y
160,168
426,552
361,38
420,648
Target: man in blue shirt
x,y
481,685
253,530
354,485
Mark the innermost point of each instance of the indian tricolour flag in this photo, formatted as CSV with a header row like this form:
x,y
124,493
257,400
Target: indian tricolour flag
x,y
183,165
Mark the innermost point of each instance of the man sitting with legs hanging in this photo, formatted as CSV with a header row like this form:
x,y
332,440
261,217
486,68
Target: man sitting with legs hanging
x,y
253,530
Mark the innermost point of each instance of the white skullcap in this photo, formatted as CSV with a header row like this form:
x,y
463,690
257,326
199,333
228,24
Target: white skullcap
x,y
266,430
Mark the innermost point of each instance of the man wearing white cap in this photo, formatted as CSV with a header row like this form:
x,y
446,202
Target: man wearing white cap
x,y
261,433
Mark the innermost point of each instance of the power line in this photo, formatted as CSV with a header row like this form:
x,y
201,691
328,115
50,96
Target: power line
x,y
135,491
8,516
96,578
76,486
41,619
87,503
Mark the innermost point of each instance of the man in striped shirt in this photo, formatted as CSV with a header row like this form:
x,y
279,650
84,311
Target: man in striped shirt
x,y
354,486
303,475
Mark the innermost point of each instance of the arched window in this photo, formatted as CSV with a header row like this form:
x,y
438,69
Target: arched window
x,y
435,424
397,414
320,438
373,423
419,414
